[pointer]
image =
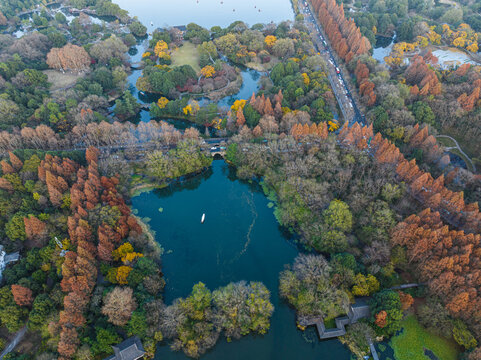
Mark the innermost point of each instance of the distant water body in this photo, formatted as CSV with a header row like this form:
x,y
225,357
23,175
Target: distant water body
x,y
207,13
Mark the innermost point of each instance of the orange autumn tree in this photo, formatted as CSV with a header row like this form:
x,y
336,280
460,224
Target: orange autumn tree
x,y
79,270
70,57
344,35
468,102
22,295
35,229
406,300
240,119
418,73
381,319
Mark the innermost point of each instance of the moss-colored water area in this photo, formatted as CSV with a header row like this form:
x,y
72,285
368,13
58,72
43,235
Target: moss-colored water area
x,y
416,343
239,240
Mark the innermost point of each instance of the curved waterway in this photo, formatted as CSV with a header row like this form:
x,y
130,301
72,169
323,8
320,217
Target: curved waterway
x,y
240,240
250,84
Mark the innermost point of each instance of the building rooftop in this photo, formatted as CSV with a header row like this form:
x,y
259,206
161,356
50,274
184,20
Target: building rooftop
x,y
130,349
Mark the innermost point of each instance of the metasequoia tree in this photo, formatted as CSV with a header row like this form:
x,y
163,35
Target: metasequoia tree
x,y
418,73
345,36
79,269
421,185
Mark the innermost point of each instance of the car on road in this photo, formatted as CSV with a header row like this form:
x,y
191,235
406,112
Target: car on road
x,y
337,70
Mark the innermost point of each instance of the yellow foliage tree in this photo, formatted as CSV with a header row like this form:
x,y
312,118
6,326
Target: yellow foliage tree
x,y
332,126
207,71
146,54
122,250
130,257
270,40
238,104
160,47
187,110
306,79
192,108
392,61
459,42
122,274
162,102
217,123
472,48
423,41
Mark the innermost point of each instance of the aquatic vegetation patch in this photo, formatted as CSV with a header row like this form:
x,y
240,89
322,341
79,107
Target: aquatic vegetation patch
x,y
411,342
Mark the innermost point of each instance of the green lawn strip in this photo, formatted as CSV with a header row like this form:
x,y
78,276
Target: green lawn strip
x,y
187,54
445,141
411,342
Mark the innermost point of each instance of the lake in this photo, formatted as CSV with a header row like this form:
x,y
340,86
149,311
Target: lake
x,y
383,48
240,240
250,84
207,13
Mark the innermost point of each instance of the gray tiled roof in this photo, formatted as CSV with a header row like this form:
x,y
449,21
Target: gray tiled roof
x,y
130,349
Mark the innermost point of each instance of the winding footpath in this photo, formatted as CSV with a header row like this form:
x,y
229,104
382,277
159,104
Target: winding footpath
x,y
473,167
18,336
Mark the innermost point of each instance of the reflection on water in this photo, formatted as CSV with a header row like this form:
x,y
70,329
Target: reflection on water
x,y
207,13
250,84
383,48
240,240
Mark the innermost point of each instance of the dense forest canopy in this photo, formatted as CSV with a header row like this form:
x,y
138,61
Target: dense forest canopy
x,y
372,205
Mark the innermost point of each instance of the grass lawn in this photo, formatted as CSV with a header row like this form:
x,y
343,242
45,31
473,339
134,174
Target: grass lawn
x,y
187,54
60,80
446,142
411,342
263,67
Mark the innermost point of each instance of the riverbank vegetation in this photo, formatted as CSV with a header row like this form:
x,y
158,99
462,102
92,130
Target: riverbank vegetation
x,y
364,203
361,215
185,159
297,80
87,269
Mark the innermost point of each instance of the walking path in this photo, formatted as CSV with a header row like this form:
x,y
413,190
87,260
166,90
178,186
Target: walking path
x,y
18,336
473,167
373,350
357,311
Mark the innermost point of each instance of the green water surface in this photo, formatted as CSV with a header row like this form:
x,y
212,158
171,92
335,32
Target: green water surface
x,y
240,240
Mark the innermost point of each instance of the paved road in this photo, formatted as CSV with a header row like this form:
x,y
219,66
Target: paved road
x,y
18,336
347,103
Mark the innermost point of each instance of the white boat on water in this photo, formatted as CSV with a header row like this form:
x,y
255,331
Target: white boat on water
x,y
202,219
